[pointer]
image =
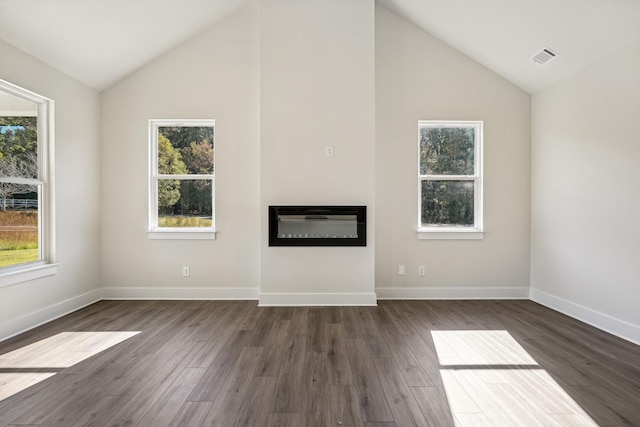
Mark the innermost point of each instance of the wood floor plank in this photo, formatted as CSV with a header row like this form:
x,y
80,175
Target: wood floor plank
x,y
225,409
214,346
28,403
300,320
371,397
317,410
442,363
604,409
397,317
372,336
253,318
260,332
12,383
404,407
287,397
315,390
428,359
191,414
350,323
218,316
333,314
257,403
164,410
50,404
519,410
70,413
460,400
344,406
189,325
337,361
283,420
134,376
154,388
472,420
212,383
380,424
412,371
271,357
99,413
157,331
434,406
316,319
222,330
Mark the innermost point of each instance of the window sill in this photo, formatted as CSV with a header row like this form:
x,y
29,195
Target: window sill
x,y
450,234
181,235
17,275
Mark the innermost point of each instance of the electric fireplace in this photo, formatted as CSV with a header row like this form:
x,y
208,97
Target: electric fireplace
x,y
317,226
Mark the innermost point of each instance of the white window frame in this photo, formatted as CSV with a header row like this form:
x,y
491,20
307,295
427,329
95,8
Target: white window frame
x,y
46,265
177,233
446,232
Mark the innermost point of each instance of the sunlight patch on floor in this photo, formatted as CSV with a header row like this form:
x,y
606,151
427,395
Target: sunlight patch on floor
x,y
479,348
63,350
54,353
11,384
491,380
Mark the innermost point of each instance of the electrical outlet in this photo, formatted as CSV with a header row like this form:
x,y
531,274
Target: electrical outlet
x,y
186,271
401,270
421,270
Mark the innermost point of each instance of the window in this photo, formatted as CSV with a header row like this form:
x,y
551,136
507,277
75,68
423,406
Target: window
x,y
450,180
26,185
182,179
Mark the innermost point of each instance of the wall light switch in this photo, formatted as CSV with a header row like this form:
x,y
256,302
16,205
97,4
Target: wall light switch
x,y
401,270
328,151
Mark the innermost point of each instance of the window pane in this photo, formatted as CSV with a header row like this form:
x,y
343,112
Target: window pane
x,y
448,203
447,151
185,150
19,145
18,224
185,203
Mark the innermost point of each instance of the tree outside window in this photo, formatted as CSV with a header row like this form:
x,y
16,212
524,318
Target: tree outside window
x,y
182,181
450,176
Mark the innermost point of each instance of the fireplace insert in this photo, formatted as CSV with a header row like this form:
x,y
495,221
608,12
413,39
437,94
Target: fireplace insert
x,y
317,226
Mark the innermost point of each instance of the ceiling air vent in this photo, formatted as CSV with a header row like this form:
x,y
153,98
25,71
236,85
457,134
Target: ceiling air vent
x,y
544,56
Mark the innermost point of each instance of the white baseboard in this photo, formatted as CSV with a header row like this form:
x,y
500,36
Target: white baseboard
x,y
453,293
181,293
599,320
311,299
617,327
33,320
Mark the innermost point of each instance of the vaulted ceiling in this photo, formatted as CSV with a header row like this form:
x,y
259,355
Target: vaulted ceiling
x,y
98,42
503,35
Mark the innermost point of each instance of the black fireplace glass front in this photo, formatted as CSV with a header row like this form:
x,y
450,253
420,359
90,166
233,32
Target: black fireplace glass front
x,y
317,226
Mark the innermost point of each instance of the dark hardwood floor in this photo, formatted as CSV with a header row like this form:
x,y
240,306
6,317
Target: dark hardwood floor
x,y
403,363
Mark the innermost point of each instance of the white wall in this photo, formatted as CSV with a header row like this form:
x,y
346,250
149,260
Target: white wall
x,y
278,101
585,197
274,100
26,304
317,90
419,77
213,76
